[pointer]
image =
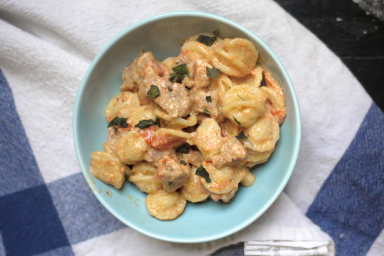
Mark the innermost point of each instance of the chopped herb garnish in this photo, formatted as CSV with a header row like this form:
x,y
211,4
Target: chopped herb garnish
x,y
215,33
168,184
181,69
263,82
206,111
213,72
117,121
153,92
234,118
208,98
147,123
172,76
205,40
240,97
184,148
180,72
208,40
203,173
183,162
242,136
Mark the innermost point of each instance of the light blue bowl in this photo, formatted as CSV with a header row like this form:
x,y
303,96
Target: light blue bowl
x,y
201,222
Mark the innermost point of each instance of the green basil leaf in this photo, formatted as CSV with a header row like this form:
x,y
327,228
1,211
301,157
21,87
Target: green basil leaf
x,y
184,148
182,69
208,40
234,118
203,173
117,121
147,123
205,40
172,76
213,39
240,97
213,72
206,111
180,77
153,92
208,98
263,82
183,162
242,136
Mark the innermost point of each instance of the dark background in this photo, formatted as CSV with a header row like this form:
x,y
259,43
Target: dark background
x,y
354,35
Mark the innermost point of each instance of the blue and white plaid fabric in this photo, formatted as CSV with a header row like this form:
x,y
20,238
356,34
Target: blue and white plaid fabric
x,y
41,215
36,217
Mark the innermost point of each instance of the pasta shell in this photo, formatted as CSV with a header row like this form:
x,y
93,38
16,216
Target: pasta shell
x,y
165,205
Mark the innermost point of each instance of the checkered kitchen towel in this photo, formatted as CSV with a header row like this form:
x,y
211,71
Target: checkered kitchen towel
x,y
46,207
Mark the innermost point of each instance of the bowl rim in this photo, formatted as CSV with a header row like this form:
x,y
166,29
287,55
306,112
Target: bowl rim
x,y
296,146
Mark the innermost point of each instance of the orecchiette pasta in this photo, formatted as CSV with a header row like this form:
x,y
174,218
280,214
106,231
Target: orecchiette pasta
x,y
203,50
141,113
144,177
131,148
122,105
253,79
275,96
165,205
221,179
243,104
208,138
190,127
193,191
263,135
175,123
255,157
223,84
237,176
235,57
107,168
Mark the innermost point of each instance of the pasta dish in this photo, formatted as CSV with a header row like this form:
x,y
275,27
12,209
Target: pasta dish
x,y
190,127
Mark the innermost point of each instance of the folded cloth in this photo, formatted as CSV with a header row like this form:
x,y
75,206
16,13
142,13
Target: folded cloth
x,y
46,206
